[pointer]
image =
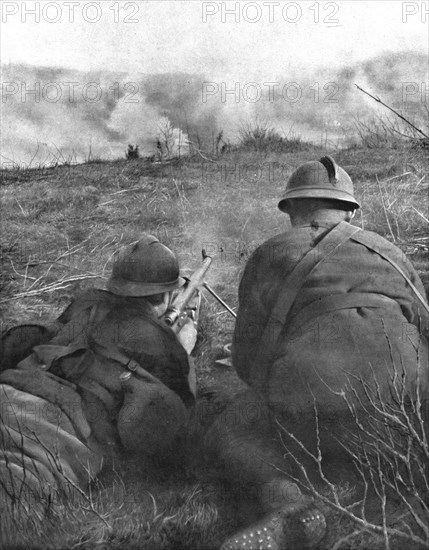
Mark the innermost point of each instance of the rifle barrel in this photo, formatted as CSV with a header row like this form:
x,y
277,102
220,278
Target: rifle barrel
x,y
186,294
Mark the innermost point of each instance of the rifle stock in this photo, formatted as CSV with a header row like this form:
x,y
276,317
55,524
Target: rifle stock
x,y
175,315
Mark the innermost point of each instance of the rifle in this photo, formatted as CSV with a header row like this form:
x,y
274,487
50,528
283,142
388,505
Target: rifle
x,y
176,314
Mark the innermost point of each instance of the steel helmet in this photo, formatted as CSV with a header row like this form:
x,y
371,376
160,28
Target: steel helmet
x,y
145,268
319,179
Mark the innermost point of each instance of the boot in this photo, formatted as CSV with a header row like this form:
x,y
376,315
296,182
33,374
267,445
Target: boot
x,y
284,529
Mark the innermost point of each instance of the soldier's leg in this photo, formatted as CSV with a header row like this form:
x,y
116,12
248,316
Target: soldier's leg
x,y
247,449
43,463
43,440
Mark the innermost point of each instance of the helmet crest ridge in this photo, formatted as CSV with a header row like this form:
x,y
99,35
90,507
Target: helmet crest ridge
x,y
331,167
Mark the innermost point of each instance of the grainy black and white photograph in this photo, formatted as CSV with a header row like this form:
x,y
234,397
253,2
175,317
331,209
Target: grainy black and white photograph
x,y
214,289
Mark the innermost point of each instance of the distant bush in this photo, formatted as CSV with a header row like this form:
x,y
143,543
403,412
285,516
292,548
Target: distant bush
x,y
259,137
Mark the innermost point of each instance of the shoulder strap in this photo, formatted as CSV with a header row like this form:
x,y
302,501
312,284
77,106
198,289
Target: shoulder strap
x,y
367,241
111,350
324,250
49,354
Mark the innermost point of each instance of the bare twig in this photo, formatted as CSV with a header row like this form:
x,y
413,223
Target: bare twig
x,y
378,100
61,284
420,214
387,446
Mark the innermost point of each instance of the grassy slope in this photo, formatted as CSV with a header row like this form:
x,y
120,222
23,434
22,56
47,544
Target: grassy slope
x,y
68,221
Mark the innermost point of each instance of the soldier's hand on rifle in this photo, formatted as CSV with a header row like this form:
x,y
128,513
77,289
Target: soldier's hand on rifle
x,y
187,335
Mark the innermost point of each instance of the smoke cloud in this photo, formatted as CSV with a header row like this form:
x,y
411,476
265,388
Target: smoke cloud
x,y
64,114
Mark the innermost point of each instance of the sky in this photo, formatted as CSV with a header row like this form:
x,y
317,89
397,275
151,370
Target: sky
x,y
259,39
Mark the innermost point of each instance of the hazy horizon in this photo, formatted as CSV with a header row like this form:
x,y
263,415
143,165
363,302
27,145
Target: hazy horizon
x,y
102,77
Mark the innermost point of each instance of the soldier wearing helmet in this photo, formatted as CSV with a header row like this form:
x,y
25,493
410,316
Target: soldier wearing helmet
x,y
321,306
77,370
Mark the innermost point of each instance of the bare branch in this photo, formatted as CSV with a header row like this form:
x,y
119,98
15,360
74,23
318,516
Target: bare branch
x,y
378,100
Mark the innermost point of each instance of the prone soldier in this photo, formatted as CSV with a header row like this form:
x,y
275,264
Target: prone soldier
x,y
109,379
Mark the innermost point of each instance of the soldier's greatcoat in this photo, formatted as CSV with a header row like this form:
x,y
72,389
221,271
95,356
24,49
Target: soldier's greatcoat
x,y
319,351
63,409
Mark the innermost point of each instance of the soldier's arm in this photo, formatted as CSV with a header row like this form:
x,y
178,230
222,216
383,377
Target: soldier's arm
x,y
250,320
17,342
420,316
412,307
155,349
